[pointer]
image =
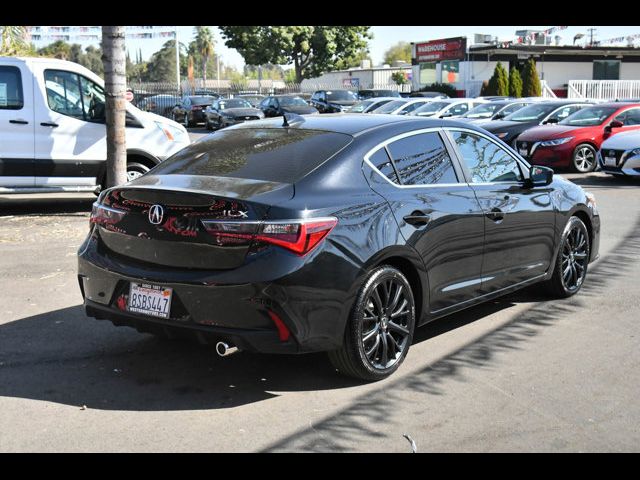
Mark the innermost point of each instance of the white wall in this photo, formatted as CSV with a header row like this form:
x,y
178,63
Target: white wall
x,y
558,74
629,71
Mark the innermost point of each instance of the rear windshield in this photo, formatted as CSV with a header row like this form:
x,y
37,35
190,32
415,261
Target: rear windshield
x,y
202,100
269,154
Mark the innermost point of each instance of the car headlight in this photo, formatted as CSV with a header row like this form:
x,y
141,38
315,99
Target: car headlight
x,y
591,202
557,141
172,132
634,152
502,134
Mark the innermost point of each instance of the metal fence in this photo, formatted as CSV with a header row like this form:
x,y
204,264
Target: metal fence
x,y
161,97
604,89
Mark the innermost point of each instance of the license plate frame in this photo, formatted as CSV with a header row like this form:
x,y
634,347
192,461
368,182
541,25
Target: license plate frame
x,y
151,300
523,151
609,161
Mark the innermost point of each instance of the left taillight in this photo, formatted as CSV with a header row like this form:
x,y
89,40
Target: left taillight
x,y
103,215
297,236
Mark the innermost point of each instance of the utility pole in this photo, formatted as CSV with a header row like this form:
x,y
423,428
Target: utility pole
x,y
259,79
177,60
591,31
218,65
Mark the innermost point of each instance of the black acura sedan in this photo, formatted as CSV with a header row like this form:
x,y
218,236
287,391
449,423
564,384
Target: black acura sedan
x,y
338,233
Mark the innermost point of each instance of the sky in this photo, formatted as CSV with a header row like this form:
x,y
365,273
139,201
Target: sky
x,y
385,36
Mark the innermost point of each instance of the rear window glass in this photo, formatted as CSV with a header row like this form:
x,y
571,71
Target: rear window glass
x,y
270,154
10,89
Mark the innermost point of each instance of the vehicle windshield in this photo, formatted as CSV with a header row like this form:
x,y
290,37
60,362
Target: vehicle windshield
x,y
431,107
378,105
361,106
531,113
202,100
341,96
391,106
292,102
234,103
589,117
485,110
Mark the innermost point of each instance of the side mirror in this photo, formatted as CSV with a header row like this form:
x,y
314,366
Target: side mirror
x,y
446,114
551,120
613,124
499,116
540,176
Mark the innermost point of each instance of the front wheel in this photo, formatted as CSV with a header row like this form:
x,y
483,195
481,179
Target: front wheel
x,y
380,328
572,261
584,158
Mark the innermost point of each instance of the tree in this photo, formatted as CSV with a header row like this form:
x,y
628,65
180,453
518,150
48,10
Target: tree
x,y
204,46
13,41
515,83
312,50
113,58
499,82
530,82
58,49
401,51
399,78
162,64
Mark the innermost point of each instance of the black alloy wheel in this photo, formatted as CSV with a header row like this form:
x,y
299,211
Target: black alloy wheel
x,y
380,330
572,261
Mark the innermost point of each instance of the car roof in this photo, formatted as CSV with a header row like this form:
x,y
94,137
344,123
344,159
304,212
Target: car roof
x,y
617,104
351,123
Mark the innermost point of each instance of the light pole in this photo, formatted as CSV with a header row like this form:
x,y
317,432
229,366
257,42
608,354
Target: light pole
x,y
177,60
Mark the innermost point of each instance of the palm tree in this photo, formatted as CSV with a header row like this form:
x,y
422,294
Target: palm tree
x,y
204,46
13,40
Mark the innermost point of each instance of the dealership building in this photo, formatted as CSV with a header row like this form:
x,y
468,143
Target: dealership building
x,y
560,67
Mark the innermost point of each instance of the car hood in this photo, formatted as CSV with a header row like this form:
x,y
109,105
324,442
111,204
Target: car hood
x,y
548,132
242,112
623,141
505,125
300,110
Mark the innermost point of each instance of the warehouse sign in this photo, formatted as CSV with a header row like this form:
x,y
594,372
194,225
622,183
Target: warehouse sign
x,y
444,49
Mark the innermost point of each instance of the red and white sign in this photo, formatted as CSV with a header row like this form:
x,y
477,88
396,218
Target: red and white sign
x,y
444,49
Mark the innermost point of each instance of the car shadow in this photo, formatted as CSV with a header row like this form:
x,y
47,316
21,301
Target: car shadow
x,y
604,180
46,204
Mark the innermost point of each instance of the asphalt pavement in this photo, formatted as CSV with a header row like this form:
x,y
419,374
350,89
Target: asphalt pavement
x,y
521,373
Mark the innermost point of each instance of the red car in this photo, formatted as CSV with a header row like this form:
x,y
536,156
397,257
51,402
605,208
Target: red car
x,y
573,142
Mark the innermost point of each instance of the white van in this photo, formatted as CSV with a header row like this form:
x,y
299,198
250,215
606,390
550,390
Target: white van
x,y
53,132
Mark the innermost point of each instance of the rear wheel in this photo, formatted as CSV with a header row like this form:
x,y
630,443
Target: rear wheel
x,y
584,158
572,261
380,328
136,170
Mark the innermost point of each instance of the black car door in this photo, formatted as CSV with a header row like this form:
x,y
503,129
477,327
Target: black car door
x,y
519,220
437,212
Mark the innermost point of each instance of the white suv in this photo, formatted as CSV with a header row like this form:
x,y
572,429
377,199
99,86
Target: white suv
x,y
53,132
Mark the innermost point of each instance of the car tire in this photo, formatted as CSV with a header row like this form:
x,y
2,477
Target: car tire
x,y
373,335
572,261
208,125
584,158
135,170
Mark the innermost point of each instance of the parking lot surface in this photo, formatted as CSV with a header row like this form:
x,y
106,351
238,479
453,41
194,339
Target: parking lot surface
x,y
521,373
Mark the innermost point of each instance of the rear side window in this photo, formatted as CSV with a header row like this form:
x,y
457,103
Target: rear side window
x,y
422,159
382,162
270,154
10,89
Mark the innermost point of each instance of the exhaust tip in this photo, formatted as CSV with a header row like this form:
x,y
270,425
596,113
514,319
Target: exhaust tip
x,y
225,350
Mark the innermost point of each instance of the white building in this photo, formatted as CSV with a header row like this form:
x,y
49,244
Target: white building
x,y
360,78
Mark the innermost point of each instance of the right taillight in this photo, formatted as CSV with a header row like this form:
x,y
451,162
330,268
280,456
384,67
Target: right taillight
x,y
298,236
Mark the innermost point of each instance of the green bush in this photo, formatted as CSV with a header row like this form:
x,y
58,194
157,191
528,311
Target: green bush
x,y
442,88
499,82
530,82
515,83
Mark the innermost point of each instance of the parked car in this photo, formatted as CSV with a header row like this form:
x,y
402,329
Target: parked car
x,y
277,237
280,104
333,101
402,106
493,110
190,110
370,105
53,112
574,142
161,104
435,95
619,155
495,98
375,93
206,92
447,108
539,113
254,100
230,111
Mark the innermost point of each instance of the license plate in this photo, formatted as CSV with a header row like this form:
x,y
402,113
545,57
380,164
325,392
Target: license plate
x,y
523,152
610,161
150,299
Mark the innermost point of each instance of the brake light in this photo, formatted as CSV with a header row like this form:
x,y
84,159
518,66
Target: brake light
x,y
103,215
196,107
298,236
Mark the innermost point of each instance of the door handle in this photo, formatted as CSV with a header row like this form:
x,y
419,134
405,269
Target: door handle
x,y
19,122
417,219
48,124
496,215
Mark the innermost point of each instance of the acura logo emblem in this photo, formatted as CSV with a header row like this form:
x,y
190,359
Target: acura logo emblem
x,y
156,213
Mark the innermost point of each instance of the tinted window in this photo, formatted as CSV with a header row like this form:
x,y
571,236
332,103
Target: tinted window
x,y
202,100
422,160
565,112
381,160
486,161
459,109
590,116
484,110
92,101
63,93
275,155
512,108
11,89
531,113
630,117
341,96
391,106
